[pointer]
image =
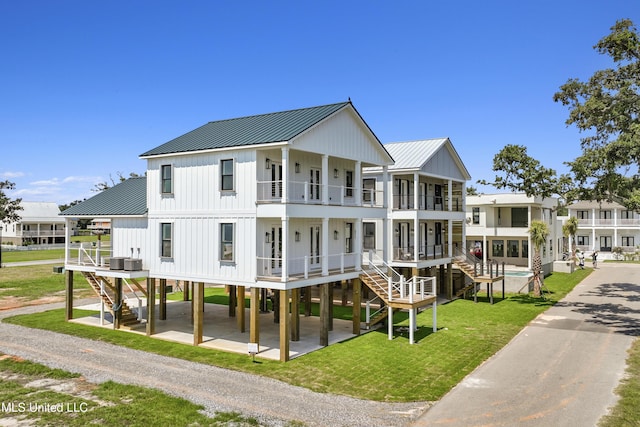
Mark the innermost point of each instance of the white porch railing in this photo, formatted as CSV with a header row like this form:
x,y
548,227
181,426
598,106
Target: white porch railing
x,y
303,267
98,255
309,193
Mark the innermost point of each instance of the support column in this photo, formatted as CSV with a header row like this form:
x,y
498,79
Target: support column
x,y
390,322
324,314
117,315
357,304
325,246
285,250
331,291
254,316
151,306
285,175
295,314
163,299
325,179
307,301
240,304
185,290
358,183
68,280
198,312
344,292
412,325
284,325
232,300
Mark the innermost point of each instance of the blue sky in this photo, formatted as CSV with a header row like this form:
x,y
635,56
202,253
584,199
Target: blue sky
x,y
87,86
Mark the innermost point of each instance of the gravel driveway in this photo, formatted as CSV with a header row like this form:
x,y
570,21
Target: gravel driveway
x,y
272,402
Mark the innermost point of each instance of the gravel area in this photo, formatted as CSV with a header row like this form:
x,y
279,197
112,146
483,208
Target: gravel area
x,y
272,402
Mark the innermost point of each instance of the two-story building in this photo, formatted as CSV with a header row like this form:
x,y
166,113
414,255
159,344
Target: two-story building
x,y
427,184
498,228
268,202
603,226
39,224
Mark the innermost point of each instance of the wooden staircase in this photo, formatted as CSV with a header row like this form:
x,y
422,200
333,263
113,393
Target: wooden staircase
x,y
379,284
128,319
468,267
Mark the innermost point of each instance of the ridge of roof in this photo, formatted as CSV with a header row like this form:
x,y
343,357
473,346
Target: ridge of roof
x,y
248,130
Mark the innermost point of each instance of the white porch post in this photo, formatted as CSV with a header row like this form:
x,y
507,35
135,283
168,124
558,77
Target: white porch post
x,y
67,239
357,247
385,186
390,322
412,325
450,195
285,174
358,183
531,250
325,246
285,249
325,179
416,190
385,221
416,237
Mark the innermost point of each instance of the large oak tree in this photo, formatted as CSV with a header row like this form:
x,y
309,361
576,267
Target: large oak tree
x,y
607,107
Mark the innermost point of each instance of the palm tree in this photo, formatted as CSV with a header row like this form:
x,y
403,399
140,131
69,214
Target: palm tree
x,y
538,232
570,229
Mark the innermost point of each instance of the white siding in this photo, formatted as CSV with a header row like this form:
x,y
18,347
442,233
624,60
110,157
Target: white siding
x,y
443,164
343,136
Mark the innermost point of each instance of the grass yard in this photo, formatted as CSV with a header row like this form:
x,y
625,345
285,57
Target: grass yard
x,y
24,385
369,366
34,255
627,411
35,283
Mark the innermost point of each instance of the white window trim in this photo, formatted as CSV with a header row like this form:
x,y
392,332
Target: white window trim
x,y
162,192
163,257
234,242
234,181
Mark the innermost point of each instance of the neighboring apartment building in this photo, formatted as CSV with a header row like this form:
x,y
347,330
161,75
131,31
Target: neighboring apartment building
x,y
272,201
39,224
498,228
425,224
604,225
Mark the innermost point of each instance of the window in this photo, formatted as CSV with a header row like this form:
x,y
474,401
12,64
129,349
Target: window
x,y
348,183
348,235
582,214
166,185
497,247
627,241
226,175
369,235
605,214
525,249
166,237
368,190
582,240
476,215
513,249
626,214
226,242
519,217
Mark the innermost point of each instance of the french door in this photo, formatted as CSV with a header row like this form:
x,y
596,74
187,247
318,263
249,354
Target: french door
x,y
276,180
315,238
276,248
314,184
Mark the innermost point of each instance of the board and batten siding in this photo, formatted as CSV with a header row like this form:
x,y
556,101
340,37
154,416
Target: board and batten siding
x,y
196,183
128,234
343,136
196,249
442,164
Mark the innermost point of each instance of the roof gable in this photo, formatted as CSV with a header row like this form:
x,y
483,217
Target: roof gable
x,y
38,211
127,198
250,130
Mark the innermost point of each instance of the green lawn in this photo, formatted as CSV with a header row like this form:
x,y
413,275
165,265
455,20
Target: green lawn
x,y
369,366
38,281
109,403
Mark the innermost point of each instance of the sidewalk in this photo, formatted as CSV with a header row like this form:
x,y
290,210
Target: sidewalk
x,y
562,369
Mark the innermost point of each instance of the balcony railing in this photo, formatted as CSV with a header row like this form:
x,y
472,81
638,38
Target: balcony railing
x,y
310,193
306,266
41,233
609,221
429,203
406,253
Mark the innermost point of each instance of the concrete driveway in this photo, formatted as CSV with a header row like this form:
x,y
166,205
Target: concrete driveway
x,y
562,369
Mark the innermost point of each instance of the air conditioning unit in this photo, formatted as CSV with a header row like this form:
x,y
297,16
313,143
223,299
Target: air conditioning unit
x,y
133,264
116,263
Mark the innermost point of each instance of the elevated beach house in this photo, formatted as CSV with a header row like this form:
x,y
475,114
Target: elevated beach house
x,y
269,205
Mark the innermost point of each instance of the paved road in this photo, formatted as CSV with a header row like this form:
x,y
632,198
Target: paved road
x,y
562,369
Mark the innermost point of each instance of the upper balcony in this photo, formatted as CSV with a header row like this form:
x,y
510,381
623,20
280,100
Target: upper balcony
x,y
429,203
314,194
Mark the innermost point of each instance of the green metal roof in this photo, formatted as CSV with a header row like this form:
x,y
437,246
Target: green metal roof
x,y
251,130
127,198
